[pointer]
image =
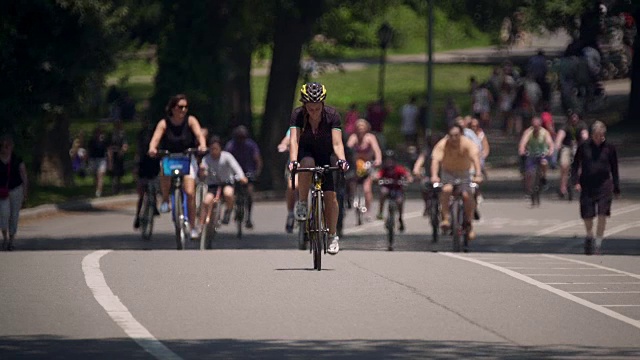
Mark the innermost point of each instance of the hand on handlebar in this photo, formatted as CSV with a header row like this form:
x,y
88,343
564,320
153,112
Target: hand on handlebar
x,y
343,164
293,165
435,179
152,152
477,179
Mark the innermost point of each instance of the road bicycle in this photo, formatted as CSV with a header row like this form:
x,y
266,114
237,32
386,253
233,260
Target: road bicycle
x,y
392,205
148,208
459,226
315,227
359,202
177,165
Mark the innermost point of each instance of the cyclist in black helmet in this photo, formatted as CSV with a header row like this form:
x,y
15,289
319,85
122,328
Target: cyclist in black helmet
x,y
316,134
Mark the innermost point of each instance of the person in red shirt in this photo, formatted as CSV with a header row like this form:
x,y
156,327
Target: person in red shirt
x,y
391,170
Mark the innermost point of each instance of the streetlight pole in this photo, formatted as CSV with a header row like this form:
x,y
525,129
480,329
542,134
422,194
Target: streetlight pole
x,y
385,33
430,104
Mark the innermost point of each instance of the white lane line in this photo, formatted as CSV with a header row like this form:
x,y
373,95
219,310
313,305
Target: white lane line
x,y
594,265
621,228
117,311
593,283
604,292
579,275
599,308
546,268
620,306
367,225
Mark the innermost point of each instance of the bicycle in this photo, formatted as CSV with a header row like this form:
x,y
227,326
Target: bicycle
x,y
433,209
359,203
242,202
315,227
148,209
212,222
178,165
459,227
392,207
536,182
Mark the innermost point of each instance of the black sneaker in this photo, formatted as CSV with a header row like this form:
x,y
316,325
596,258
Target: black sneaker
x,y
290,222
155,211
227,217
588,246
249,224
400,225
476,215
136,223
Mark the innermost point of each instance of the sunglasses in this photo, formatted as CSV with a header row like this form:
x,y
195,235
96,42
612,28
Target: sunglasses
x,y
182,107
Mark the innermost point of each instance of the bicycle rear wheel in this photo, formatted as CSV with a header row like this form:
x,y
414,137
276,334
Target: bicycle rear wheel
x,y
358,207
435,220
390,223
146,217
535,194
315,227
456,226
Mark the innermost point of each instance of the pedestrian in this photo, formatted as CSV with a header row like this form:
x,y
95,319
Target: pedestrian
x,y
97,151
376,115
537,67
451,112
78,155
118,146
481,103
597,163
409,122
14,187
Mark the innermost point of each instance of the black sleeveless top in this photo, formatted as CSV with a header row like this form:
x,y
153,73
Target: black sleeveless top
x,y
178,138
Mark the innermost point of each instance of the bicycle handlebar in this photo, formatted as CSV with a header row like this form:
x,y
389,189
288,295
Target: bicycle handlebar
x,y
388,181
317,169
455,183
189,151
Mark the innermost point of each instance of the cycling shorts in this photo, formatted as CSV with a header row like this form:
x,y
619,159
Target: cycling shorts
x,y
462,177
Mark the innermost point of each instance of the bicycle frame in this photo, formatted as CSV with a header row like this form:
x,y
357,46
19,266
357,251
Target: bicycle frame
x,y
392,206
457,215
316,226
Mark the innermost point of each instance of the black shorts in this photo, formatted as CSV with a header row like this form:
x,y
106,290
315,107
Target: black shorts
x,y
328,184
590,206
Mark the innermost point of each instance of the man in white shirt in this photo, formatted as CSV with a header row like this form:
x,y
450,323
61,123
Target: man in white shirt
x,y
409,123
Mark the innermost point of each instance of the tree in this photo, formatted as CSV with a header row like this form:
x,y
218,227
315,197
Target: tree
x,y
51,54
634,106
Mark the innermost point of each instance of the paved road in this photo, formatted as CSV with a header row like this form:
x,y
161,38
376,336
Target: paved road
x,y
80,287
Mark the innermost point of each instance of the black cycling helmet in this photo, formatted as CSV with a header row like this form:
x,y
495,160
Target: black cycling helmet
x,y
313,92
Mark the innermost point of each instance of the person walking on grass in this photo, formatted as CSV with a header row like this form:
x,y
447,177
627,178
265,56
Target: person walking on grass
x,y
13,190
596,163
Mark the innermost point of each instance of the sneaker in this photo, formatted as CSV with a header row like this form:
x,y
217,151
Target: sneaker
x,y
195,233
476,215
164,207
290,222
227,217
155,211
248,224
301,210
471,234
597,250
136,223
334,247
401,225
589,246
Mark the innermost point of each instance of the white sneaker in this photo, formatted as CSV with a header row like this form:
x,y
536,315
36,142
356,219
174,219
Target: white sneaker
x,y
334,247
195,233
301,210
164,207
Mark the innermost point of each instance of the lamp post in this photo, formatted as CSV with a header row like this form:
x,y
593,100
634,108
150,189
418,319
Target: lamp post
x,y
385,33
429,71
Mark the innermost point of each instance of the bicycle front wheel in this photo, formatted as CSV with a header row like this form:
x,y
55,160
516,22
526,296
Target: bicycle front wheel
x,y
178,220
146,217
390,223
315,228
456,225
435,219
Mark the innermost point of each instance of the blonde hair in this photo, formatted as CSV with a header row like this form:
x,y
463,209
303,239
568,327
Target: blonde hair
x,y
365,122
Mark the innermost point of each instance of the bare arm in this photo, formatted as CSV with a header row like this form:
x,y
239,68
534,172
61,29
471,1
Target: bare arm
x,y
194,124
549,141
485,147
293,144
522,146
560,138
377,161
157,135
352,141
284,144
474,152
338,147
419,164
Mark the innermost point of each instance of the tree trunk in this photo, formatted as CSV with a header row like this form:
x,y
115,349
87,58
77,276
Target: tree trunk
x,y
634,105
292,30
54,165
239,86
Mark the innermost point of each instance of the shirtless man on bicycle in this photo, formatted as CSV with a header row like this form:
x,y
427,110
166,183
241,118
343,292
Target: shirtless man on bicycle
x,y
452,160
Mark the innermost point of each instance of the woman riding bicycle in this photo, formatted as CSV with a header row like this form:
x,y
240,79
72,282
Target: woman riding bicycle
x,y
536,142
221,171
392,171
367,154
177,133
316,134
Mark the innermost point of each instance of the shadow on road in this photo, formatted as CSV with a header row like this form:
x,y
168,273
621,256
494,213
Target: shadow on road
x,y
502,243
39,347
